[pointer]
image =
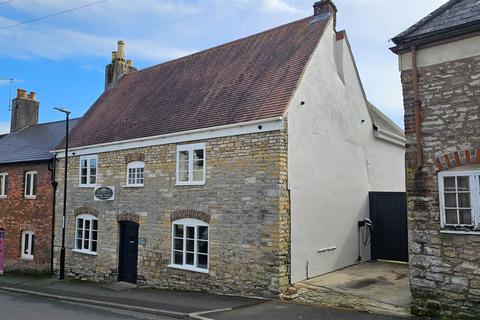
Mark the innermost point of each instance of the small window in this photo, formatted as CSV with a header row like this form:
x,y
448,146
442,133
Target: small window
x,y
86,233
460,199
191,164
190,245
28,245
135,174
88,171
3,184
31,184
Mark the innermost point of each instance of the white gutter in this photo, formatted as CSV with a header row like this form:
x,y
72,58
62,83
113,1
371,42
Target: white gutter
x,y
390,137
263,125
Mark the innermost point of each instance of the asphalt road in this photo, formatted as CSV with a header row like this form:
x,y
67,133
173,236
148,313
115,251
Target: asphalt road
x,y
15,306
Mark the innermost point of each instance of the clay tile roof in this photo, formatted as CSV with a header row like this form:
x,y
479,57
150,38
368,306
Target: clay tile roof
x,y
452,18
32,143
244,80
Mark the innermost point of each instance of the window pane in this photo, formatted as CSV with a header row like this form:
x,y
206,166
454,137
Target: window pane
x,y
34,184
197,175
27,184
178,244
79,233
202,246
79,244
83,180
94,224
94,235
451,216
84,172
183,175
198,154
463,183
94,246
203,233
32,245
178,231
451,200
25,243
87,224
202,261
177,257
465,216
191,232
189,258
449,183
183,156
1,185
86,245
464,200
190,245
80,223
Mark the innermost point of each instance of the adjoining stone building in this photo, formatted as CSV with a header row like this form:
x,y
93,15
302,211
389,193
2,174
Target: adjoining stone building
x,y
26,190
227,170
439,61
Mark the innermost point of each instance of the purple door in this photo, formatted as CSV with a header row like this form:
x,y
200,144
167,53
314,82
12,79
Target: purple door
x,y
2,249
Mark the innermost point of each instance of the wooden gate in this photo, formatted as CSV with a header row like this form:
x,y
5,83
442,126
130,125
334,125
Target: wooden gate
x,y
388,212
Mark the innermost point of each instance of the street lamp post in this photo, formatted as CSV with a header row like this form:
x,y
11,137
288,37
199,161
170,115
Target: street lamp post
x,y
64,217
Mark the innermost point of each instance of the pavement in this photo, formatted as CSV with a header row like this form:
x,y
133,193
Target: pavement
x,y
52,294
373,286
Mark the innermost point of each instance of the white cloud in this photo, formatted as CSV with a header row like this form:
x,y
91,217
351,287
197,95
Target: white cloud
x,y
4,127
278,6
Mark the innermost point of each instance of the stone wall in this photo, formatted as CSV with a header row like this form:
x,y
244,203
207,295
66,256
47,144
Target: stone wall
x,y
444,268
18,214
244,199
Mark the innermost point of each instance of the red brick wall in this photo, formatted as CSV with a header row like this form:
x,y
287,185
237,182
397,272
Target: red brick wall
x,y
18,214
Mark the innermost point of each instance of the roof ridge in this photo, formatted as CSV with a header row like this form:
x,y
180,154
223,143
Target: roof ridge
x,y
217,46
425,20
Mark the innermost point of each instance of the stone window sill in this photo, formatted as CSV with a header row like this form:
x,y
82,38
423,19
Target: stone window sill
x,y
30,197
133,186
91,253
174,266
27,258
3,197
475,233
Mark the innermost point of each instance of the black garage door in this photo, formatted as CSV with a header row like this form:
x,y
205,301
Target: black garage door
x,y
388,212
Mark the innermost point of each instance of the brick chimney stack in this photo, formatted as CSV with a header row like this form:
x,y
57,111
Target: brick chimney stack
x,y
24,110
119,66
324,9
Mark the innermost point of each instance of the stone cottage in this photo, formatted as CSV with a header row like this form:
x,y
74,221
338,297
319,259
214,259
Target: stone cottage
x,y
26,190
439,61
227,170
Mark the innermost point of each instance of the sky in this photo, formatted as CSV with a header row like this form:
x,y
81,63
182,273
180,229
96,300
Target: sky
x,y
63,58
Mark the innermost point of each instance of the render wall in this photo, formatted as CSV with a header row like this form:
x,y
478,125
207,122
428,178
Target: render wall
x,y
333,162
18,214
245,199
444,267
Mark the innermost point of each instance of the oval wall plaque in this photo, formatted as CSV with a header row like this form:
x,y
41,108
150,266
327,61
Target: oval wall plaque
x,y
104,193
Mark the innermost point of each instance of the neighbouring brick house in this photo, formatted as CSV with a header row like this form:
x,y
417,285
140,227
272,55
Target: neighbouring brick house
x,y
26,191
440,71
227,170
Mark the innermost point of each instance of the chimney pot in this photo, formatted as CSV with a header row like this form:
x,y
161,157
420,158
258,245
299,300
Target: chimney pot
x,y
21,93
130,63
325,7
32,95
114,56
121,50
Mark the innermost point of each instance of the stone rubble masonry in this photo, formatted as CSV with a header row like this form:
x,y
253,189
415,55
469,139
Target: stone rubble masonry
x,y
244,200
18,214
444,268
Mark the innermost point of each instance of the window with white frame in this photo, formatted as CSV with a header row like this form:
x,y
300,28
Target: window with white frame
x,y
191,164
31,184
135,173
3,184
460,199
86,233
88,170
28,245
190,245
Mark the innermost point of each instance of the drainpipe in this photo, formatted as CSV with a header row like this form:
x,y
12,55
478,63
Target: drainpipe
x,y
416,105
54,193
